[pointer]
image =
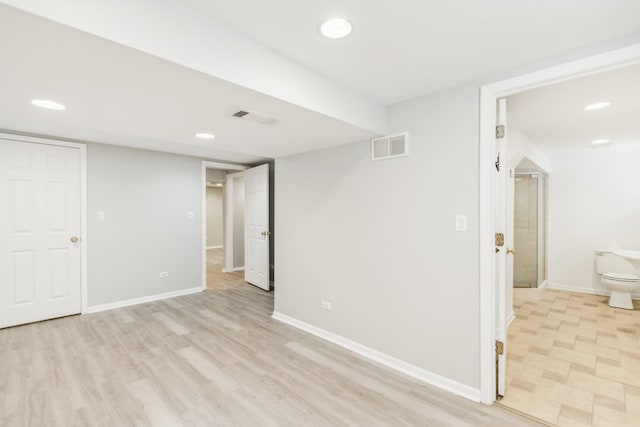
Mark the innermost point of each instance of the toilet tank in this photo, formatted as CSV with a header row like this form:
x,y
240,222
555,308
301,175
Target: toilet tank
x,y
607,262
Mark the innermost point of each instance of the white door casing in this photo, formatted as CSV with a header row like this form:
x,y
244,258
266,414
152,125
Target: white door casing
x,y
40,266
256,223
501,255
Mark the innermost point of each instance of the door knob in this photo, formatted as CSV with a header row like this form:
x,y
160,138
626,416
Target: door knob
x,y
266,233
74,239
511,251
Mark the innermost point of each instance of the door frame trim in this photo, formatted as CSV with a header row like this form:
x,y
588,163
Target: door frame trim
x,y
489,94
206,164
84,235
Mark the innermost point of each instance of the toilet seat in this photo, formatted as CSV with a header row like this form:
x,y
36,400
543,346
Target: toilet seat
x,y
622,277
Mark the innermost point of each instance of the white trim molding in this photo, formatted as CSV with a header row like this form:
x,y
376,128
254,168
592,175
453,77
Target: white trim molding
x,y
510,318
234,269
489,94
384,359
583,290
142,300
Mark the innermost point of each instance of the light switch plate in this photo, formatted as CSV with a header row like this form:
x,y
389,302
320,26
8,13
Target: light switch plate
x,y
100,216
190,215
461,223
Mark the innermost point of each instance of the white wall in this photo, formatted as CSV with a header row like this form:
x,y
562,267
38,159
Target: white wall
x,y
594,203
519,147
145,196
377,239
215,210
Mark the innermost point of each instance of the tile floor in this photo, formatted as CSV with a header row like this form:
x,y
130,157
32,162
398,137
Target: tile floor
x,y
573,360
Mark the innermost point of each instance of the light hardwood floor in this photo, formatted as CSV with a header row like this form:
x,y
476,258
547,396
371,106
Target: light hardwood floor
x,y
210,359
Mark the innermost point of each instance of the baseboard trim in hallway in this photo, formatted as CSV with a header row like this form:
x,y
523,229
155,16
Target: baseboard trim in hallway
x,y
413,371
142,300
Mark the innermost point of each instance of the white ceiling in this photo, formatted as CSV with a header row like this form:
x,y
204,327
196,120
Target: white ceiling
x,y
399,49
404,48
554,116
121,96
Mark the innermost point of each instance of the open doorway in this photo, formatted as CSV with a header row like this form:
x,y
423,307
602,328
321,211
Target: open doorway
x,y
238,218
224,226
572,356
216,239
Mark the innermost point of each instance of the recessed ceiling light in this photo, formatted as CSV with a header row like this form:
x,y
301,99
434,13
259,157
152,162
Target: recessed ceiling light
x,y
597,105
205,135
600,142
45,103
336,28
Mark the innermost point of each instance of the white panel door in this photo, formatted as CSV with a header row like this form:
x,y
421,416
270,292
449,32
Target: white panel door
x,y
501,253
40,275
256,226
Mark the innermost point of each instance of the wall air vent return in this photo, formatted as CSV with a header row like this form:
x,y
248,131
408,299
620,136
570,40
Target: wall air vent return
x,y
216,175
390,146
252,116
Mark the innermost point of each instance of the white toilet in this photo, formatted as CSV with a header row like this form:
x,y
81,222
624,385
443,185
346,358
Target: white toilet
x,y
619,276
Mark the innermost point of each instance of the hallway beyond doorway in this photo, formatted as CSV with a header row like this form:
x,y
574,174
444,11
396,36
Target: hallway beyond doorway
x,y
216,279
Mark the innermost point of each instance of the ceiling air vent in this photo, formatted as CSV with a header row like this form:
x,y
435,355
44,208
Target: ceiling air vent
x,y
252,116
390,146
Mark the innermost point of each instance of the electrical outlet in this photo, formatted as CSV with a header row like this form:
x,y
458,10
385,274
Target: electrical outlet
x,y
326,305
190,215
164,274
100,216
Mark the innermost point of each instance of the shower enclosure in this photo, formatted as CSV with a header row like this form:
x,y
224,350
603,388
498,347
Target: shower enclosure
x,y
530,222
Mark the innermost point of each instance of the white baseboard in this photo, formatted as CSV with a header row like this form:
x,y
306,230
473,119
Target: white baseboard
x,y
384,359
141,300
544,284
582,290
226,270
215,247
510,318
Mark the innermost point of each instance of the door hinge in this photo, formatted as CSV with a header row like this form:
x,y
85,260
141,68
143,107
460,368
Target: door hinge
x,y
500,131
498,163
500,239
499,347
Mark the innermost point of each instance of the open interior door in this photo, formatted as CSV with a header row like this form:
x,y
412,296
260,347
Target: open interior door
x,y
500,183
256,227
